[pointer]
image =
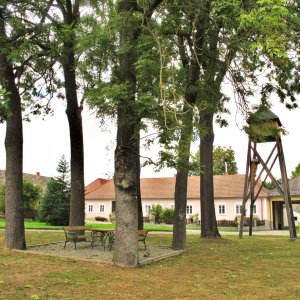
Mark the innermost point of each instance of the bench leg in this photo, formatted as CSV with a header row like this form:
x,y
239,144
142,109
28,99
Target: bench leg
x,y
110,242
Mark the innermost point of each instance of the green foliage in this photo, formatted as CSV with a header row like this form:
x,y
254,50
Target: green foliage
x,y
55,205
3,105
31,195
162,215
269,185
296,171
24,45
167,215
156,210
263,125
222,157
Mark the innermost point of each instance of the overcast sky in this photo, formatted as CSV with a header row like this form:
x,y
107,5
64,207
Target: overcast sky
x,y
46,140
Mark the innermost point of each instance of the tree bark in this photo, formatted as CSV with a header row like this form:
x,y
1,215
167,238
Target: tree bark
x,y
126,243
193,72
127,159
14,210
138,182
209,228
179,230
73,111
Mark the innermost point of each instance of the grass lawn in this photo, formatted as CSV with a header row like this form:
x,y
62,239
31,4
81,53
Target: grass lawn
x,y
148,226
256,267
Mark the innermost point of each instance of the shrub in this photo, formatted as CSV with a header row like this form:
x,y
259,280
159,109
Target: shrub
x,y
156,210
32,193
227,223
101,219
167,215
247,221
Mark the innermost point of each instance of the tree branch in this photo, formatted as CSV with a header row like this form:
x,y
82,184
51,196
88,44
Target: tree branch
x,y
150,10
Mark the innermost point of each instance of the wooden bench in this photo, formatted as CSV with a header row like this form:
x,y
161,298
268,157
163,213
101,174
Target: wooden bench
x,y
142,234
77,233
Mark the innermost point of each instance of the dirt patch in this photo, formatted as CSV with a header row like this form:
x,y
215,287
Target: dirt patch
x,y
98,254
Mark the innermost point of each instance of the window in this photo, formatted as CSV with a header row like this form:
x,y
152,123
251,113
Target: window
x,y
147,208
189,209
172,206
221,209
90,208
238,209
101,208
254,209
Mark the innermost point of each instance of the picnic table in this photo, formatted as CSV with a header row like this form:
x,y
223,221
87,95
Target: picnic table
x,y
105,236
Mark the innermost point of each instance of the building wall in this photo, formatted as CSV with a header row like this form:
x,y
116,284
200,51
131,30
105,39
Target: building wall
x,y
92,208
226,209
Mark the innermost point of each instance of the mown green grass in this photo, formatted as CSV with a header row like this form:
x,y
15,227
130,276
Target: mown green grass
x,y
258,267
41,225
152,227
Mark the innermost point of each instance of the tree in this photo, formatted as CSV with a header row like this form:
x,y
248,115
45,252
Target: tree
x,y
231,38
20,79
55,204
14,233
64,43
31,195
131,17
296,171
223,161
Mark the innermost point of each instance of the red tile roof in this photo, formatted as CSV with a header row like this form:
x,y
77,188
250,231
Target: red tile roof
x,y
95,185
225,186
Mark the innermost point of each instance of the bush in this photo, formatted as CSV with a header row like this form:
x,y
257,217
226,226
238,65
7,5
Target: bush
x,y
167,215
101,219
156,210
30,213
227,223
32,193
247,221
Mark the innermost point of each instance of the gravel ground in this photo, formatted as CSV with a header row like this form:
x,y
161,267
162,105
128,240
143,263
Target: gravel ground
x,y
84,251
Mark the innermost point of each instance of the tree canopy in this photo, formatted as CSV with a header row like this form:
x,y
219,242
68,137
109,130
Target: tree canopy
x,y
296,171
223,162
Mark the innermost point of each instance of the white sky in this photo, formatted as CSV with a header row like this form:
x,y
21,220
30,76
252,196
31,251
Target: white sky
x,y
46,140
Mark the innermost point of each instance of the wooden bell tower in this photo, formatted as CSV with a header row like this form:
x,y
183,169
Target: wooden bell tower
x,y
265,127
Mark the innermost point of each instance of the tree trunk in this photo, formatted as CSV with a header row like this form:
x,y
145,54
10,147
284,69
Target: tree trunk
x,y
14,210
73,112
138,182
126,242
209,228
179,230
193,72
